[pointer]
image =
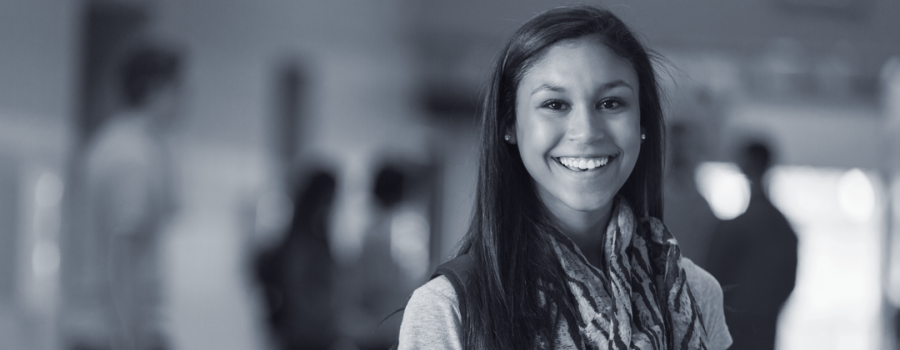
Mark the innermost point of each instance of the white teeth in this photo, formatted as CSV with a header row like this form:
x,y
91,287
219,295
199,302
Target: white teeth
x,y
584,163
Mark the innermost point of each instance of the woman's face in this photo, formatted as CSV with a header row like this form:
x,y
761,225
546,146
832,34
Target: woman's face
x,y
578,126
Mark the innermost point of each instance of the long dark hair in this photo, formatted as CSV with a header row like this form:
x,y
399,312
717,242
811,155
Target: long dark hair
x,y
507,234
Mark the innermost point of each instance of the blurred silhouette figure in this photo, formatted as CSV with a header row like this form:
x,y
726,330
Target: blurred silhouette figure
x,y
129,196
297,273
688,215
754,256
377,284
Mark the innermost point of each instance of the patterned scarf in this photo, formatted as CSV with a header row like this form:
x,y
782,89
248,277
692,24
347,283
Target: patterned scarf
x,y
640,299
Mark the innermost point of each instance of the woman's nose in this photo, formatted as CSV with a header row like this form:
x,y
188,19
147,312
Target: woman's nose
x,y
585,126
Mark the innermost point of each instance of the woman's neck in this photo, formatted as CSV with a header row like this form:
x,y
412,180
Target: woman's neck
x,y
585,224
587,231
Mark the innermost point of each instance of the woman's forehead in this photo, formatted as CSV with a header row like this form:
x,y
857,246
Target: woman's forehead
x,y
586,58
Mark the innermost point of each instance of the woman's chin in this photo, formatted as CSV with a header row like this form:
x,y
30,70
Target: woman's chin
x,y
589,206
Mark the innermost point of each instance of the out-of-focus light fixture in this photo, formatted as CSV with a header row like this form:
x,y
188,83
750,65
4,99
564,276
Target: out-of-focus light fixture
x,y
856,195
724,187
48,193
409,243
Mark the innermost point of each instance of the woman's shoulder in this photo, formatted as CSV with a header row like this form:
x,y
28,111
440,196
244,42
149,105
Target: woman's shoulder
x,y
708,294
699,279
431,319
438,290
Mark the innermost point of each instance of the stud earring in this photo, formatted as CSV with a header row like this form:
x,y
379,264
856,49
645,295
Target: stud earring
x,y
643,137
507,137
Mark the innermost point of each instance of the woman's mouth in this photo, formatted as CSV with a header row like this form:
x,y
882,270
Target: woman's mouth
x,y
583,164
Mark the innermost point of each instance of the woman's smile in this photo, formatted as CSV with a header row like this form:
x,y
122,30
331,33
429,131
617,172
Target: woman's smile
x,y
583,164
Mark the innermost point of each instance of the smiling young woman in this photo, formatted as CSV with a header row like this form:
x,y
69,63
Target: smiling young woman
x,y
566,248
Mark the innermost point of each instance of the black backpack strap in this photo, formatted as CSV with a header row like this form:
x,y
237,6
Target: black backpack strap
x,y
457,271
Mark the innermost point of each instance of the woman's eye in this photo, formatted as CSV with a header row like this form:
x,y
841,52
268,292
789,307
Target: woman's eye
x,y
554,104
610,104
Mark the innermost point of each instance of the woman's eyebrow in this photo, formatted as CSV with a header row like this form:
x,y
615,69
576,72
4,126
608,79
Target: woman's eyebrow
x,y
614,84
554,88
607,86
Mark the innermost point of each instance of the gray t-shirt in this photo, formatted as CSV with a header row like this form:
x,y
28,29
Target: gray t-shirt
x,y
432,319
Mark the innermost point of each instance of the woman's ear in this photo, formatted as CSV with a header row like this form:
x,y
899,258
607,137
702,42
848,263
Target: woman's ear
x,y
510,135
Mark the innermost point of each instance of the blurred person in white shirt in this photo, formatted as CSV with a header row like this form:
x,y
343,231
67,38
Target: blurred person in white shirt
x,y
127,199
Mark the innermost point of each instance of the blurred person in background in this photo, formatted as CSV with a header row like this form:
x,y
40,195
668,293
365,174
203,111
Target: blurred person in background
x,y
297,273
754,256
378,285
688,215
566,249
128,197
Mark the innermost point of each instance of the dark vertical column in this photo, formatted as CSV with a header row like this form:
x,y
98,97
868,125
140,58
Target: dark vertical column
x,y
9,229
290,91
